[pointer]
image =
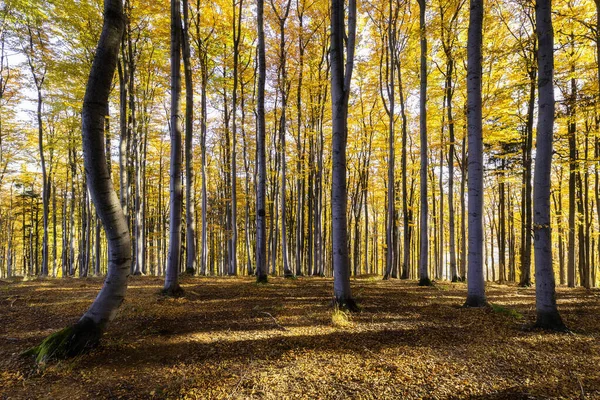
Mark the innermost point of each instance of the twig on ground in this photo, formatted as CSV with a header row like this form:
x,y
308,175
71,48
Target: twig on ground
x,y
280,327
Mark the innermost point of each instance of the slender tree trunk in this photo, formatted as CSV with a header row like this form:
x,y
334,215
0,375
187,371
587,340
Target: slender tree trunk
x,y
424,279
86,333
476,287
171,287
342,63
190,209
547,312
261,218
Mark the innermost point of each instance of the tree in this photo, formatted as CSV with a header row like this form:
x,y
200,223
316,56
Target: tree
x,y
424,279
172,287
546,310
476,287
190,209
86,333
261,215
342,49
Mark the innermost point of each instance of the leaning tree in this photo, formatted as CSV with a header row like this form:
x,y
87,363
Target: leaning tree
x,y
86,333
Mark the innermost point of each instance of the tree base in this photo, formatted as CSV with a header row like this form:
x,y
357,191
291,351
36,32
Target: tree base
x,y
346,304
386,277
262,279
526,283
475,302
289,275
173,291
190,271
425,282
137,273
550,321
455,279
68,342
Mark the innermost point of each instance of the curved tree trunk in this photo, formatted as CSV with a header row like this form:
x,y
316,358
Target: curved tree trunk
x,y
547,313
86,333
475,284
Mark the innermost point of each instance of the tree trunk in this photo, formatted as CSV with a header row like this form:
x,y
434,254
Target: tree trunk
x,y
190,209
547,312
171,287
86,333
424,279
261,218
475,284
342,49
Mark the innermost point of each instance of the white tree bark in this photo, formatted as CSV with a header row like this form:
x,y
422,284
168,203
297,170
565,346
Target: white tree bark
x,y
547,312
172,287
475,281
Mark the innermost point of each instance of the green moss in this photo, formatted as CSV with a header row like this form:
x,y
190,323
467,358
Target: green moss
x,y
68,342
506,311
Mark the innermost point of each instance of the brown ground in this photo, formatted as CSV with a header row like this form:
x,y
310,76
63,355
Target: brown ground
x,y
230,338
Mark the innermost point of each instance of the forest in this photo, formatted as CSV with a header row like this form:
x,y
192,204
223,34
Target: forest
x,y
307,198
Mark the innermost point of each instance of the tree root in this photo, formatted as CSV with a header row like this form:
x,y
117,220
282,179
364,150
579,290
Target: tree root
x,y
347,304
425,282
475,302
175,291
68,342
550,321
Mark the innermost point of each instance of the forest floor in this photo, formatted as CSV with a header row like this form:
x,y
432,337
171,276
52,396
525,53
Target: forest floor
x,y
230,338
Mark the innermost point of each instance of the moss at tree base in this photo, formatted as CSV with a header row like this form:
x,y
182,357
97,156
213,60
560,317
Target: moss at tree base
x,y
68,342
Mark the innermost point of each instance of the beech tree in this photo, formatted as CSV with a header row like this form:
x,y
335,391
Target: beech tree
x,y
547,312
475,279
424,279
341,52
86,333
261,215
172,287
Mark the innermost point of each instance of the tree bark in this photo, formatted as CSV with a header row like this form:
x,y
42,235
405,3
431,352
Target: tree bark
x,y
547,312
475,282
171,287
424,279
261,217
190,209
86,333
341,49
